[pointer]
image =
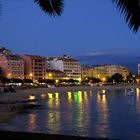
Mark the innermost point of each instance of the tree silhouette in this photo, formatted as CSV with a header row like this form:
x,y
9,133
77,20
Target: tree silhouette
x,y
117,77
131,11
52,7
129,8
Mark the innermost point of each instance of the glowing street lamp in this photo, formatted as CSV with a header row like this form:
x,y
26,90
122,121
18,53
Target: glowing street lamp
x,y
31,76
50,75
56,81
9,75
104,79
137,80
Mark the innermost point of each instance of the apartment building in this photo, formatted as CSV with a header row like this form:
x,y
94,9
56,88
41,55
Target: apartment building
x,y
55,74
104,71
35,66
70,66
86,71
12,66
139,69
110,69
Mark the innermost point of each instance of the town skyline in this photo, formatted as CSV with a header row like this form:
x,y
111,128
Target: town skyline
x,y
99,59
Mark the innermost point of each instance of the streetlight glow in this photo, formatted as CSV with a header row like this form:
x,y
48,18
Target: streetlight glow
x,y
50,75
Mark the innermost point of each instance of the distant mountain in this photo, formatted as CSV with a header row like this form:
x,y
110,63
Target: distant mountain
x,y
128,60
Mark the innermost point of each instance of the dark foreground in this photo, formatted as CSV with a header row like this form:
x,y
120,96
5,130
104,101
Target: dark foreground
x,y
40,136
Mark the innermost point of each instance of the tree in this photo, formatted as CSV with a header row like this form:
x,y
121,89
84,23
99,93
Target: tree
x,y
130,78
52,7
117,78
27,81
50,81
4,80
129,8
15,80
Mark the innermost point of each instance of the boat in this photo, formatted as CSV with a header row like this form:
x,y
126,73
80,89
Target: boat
x,y
131,92
31,98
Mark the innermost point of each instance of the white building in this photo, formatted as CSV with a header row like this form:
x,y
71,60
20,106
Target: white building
x,y
139,69
70,66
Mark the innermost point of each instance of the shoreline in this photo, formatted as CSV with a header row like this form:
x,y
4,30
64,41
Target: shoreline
x,y
13,103
42,136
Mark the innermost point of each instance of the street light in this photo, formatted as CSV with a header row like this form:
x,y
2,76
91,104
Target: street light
x,y
56,81
31,76
104,79
50,75
9,75
137,80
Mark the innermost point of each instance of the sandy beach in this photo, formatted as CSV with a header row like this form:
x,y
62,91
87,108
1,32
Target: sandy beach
x,y
13,103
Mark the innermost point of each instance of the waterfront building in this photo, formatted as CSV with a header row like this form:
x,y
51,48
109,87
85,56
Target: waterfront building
x,y
35,66
55,74
90,71
104,71
4,51
110,69
70,66
12,66
86,71
139,69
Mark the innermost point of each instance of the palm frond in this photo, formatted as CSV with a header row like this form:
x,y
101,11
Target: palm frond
x,y
51,7
131,11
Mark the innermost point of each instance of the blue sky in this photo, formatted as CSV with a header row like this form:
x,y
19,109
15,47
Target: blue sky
x,y
91,30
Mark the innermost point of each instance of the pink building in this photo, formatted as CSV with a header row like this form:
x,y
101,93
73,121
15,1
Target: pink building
x,y
34,66
12,66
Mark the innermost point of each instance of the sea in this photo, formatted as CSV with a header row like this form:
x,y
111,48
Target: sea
x,y
111,113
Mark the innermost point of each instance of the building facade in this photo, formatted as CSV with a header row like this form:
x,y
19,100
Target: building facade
x,y
35,67
104,71
12,66
86,71
110,69
55,74
139,69
70,66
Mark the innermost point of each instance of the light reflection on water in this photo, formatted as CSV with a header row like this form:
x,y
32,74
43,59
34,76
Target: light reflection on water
x,y
32,122
102,113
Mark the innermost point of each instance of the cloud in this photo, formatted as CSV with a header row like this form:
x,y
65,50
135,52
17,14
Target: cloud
x,y
95,54
131,60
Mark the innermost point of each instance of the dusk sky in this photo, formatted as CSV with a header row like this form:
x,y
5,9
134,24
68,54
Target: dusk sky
x,y
93,31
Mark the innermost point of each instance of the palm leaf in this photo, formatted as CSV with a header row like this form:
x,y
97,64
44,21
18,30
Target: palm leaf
x,y
131,11
52,7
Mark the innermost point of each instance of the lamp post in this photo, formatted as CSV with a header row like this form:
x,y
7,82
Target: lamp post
x,y
137,80
31,76
104,79
9,75
50,75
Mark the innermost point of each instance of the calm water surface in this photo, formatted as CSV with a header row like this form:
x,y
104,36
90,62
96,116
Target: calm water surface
x,y
102,113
